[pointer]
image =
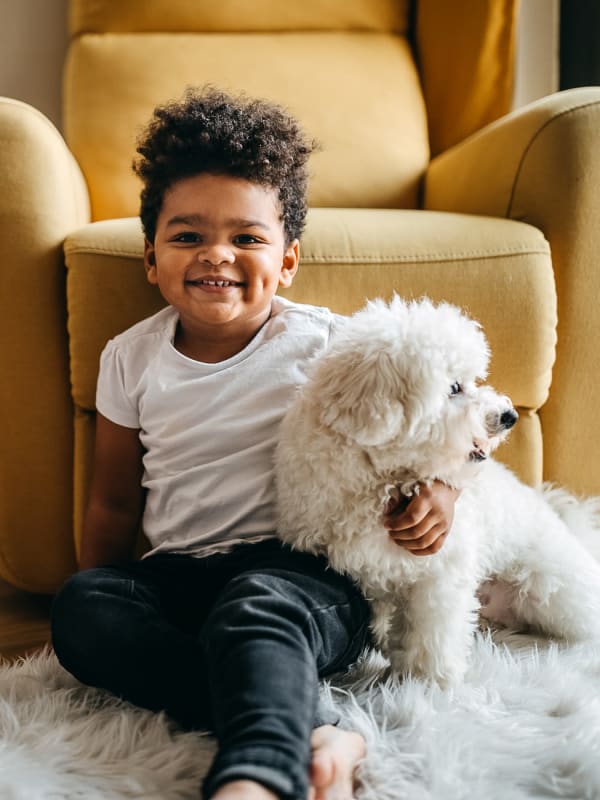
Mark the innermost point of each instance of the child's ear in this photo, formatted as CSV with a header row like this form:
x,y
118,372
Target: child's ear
x,y
289,266
150,262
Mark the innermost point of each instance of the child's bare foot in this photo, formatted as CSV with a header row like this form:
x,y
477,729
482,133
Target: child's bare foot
x,y
335,754
243,790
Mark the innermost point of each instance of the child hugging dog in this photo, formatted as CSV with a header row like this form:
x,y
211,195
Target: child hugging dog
x,y
219,624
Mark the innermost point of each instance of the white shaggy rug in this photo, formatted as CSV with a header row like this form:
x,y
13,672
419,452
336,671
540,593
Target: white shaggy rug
x,y
526,724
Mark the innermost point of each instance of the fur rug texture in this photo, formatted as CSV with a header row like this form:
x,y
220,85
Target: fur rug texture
x,y
525,724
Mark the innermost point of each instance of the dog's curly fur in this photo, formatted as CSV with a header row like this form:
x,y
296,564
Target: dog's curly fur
x,y
395,402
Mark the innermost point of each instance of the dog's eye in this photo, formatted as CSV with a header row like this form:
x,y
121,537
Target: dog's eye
x,y
456,388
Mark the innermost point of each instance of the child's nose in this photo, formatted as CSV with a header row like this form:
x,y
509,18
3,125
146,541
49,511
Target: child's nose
x,y
216,253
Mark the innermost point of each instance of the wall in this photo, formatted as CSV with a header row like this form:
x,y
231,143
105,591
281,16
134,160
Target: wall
x,y
33,42
537,50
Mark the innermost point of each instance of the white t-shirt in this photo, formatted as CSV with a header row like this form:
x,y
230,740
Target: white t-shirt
x,y
209,430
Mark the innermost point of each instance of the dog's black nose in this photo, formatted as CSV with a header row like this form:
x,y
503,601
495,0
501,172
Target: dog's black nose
x,y
508,418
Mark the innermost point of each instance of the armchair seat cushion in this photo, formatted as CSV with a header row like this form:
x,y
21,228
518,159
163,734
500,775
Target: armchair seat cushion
x,y
498,270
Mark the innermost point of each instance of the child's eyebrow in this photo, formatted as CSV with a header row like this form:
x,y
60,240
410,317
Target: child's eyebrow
x,y
198,219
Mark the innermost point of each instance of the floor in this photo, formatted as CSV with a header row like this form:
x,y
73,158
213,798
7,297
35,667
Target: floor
x,y
24,621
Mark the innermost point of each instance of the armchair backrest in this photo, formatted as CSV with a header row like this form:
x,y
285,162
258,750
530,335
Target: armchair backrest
x,y
375,81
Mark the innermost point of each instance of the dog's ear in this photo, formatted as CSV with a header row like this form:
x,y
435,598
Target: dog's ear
x,y
359,395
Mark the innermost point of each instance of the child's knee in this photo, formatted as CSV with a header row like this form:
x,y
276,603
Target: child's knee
x,y
252,603
81,611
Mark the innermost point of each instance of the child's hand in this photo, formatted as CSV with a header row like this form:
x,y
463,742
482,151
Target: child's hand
x,y
422,526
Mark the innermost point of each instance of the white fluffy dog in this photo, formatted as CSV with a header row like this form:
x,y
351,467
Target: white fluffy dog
x,y
393,403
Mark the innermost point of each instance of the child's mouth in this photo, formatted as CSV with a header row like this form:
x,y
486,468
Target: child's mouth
x,y
221,284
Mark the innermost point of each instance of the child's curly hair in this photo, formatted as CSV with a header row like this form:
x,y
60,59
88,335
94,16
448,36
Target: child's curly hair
x,y
210,131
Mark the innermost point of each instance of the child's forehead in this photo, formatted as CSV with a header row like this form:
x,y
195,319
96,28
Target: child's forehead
x,y
208,197
204,181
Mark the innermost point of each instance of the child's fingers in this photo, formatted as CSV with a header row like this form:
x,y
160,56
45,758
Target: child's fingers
x,y
413,536
417,514
433,548
406,519
429,542
396,506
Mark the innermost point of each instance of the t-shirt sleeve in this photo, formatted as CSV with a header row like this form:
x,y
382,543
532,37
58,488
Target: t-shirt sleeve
x,y
337,322
112,398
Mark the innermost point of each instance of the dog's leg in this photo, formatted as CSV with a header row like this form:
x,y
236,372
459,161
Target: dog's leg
x,y
558,588
383,612
433,638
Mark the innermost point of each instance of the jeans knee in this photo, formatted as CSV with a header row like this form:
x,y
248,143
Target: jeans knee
x,y
258,610
80,612
251,600
298,613
70,598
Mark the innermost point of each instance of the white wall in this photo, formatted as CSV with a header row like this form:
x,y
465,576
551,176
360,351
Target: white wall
x,y
537,50
33,42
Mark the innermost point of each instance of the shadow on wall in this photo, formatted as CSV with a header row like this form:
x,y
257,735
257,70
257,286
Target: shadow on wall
x,y
33,43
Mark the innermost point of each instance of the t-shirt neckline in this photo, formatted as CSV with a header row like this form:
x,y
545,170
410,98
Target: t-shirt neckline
x,y
212,367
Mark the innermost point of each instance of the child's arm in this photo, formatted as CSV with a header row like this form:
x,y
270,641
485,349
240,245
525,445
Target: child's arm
x,y
116,496
422,526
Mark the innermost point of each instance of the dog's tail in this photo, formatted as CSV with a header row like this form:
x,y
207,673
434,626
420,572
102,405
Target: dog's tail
x,y
581,516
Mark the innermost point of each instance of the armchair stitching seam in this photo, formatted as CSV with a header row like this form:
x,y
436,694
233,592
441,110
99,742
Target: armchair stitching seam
x,y
452,256
346,259
531,143
102,251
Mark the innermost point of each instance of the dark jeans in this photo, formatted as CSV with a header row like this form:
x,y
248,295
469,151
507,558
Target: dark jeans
x,y
233,643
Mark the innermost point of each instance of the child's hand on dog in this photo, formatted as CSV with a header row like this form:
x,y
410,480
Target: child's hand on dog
x,y
422,524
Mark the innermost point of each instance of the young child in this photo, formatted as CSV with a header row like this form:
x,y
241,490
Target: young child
x,y
219,624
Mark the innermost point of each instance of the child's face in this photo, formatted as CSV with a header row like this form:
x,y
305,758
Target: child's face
x,y
219,254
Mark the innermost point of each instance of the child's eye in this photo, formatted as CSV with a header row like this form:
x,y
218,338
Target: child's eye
x,y
246,238
187,237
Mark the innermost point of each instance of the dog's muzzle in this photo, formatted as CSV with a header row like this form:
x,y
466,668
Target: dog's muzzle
x,y
500,424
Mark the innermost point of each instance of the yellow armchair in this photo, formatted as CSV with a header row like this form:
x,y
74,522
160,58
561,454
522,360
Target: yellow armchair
x,y
417,189
541,165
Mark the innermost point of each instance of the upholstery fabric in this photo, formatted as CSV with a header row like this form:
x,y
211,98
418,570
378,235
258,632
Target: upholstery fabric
x,y
476,38
348,256
542,165
35,401
474,41
307,72
177,16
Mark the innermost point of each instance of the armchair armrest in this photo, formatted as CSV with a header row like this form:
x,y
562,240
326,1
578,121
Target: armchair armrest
x,y
541,165
43,198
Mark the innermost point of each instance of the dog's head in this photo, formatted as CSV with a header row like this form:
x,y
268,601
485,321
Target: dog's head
x,y
404,377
